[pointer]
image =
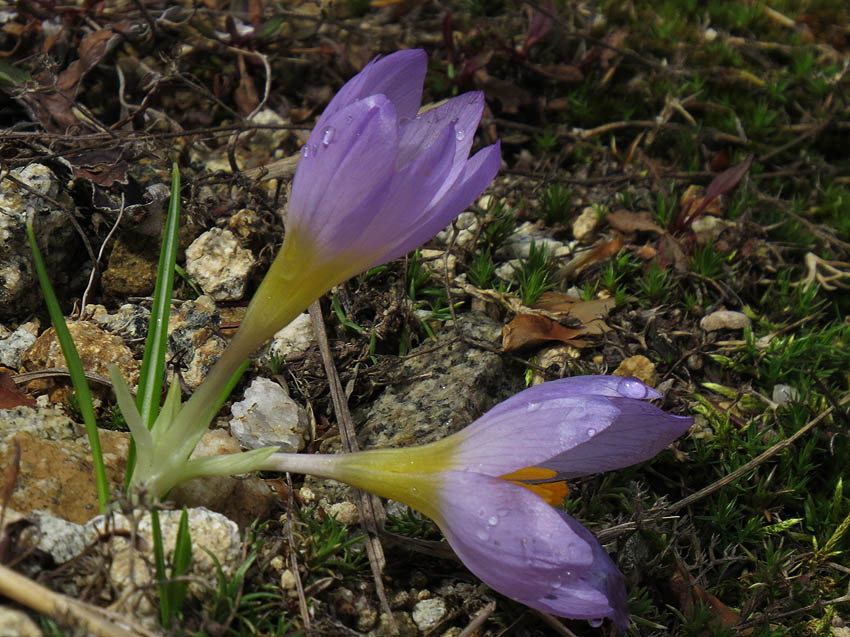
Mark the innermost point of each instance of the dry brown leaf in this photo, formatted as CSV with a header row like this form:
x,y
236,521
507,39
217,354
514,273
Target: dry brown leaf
x,y
589,313
690,594
246,95
628,221
694,199
531,329
11,396
599,253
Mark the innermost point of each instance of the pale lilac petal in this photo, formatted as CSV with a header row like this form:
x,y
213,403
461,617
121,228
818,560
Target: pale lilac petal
x,y
483,517
640,432
412,189
478,172
575,426
462,112
337,175
523,548
398,76
572,598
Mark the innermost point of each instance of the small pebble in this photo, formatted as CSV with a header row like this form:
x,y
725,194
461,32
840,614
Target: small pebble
x,y
638,366
724,320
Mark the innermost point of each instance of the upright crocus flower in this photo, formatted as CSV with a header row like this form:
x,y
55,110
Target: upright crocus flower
x,y
376,179
490,487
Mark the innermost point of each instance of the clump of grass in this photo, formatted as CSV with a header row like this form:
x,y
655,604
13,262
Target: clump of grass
x,y
556,203
534,274
482,271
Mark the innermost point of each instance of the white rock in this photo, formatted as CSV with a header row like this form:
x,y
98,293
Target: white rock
x,y
294,339
467,225
60,539
221,266
724,320
783,394
518,244
428,613
585,224
268,417
12,348
18,623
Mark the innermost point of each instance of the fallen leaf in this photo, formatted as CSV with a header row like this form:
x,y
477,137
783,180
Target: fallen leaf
x,y
598,253
690,595
246,95
588,313
628,221
11,396
532,329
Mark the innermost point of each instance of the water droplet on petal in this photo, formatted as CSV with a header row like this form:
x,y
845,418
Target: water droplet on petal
x,y
305,151
348,119
403,121
453,121
482,534
595,623
482,512
632,388
459,135
493,520
533,406
328,136
414,490
591,432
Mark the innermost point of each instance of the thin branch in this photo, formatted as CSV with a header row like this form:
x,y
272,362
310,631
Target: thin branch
x,y
369,506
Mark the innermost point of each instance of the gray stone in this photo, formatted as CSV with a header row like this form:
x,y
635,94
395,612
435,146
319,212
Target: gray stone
x,y
60,539
130,321
724,320
12,347
219,264
19,290
47,423
268,417
434,406
428,613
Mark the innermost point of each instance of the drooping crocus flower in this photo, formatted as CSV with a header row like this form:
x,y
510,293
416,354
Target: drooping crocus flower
x,y
376,179
490,487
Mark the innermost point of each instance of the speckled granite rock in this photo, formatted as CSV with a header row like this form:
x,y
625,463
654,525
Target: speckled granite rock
x,y
19,291
193,339
455,384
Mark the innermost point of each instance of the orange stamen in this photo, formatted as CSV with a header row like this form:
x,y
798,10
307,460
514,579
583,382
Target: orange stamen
x,y
552,492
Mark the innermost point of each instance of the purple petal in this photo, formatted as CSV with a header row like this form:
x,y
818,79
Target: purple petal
x,y
575,426
640,432
603,576
354,160
477,174
413,188
463,113
523,548
398,76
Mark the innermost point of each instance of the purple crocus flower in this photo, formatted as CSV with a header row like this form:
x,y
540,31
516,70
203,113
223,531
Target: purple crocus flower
x,y
376,179
490,487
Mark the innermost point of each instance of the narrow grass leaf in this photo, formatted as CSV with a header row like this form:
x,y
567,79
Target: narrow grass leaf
x,y
75,369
